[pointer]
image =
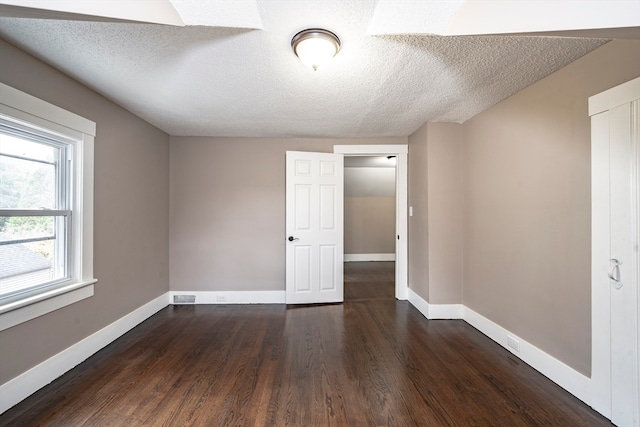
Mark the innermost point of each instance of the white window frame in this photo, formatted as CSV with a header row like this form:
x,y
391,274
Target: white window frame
x,y
25,110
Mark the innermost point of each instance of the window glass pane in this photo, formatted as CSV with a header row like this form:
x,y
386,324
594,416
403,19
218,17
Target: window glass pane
x,y
21,147
25,265
26,227
27,174
31,252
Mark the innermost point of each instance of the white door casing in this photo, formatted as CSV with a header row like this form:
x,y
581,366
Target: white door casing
x,y
615,377
314,227
402,255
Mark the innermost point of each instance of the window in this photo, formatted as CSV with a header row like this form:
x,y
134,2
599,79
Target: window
x,y
35,211
46,207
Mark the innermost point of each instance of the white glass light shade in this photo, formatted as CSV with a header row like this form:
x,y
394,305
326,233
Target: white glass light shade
x,y
315,46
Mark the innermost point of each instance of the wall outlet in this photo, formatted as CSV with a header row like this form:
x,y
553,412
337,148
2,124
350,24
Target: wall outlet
x,y
513,343
221,298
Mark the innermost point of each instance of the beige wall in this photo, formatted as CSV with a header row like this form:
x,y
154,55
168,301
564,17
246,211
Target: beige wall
x,y
527,205
436,195
418,223
520,175
131,225
228,210
444,187
370,225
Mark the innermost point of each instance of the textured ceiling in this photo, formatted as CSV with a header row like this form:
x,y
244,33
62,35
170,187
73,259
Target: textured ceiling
x,y
222,81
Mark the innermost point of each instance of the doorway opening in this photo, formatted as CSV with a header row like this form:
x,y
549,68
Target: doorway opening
x,y
400,153
369,227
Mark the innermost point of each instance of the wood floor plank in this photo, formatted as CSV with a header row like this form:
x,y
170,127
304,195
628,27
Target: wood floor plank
x,y
372,361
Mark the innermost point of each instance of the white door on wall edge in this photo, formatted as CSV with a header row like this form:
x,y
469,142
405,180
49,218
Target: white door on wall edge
x,y
615,143
314,228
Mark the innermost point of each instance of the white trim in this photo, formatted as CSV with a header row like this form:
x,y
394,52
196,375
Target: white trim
x,y
29,308
22,386
446,311
419,303
402,226
636,235
371,150
600,294
435,311
233,297
369,257
614,97
22,109
566,377
15,305
14,99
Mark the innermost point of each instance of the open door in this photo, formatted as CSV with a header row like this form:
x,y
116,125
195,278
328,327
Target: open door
x,y
314,227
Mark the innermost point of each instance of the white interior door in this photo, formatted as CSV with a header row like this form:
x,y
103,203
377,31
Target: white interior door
x,y
616,260
623,286
314,227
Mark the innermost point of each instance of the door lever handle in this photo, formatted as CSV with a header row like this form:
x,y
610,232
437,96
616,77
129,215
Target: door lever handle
x,y
291,238
615,270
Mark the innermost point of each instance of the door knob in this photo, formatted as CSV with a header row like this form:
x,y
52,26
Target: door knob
x,y
615,270
291,238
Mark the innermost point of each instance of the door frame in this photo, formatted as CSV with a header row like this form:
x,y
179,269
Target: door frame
x,y
401,151
600,246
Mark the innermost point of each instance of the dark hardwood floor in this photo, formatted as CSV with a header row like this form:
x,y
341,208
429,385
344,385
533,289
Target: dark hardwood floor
x,y
372,361
369,280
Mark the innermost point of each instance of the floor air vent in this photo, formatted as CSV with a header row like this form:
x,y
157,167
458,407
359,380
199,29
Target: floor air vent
x,y
184,299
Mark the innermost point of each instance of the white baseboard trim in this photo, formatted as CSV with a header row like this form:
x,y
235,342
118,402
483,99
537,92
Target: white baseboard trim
x,y
566,377
369,257
435,311
233,297
24,385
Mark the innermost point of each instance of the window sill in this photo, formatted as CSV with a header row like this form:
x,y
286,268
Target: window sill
x,y
17,312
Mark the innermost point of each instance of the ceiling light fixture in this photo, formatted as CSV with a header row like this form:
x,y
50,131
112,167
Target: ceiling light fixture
x,y
315,46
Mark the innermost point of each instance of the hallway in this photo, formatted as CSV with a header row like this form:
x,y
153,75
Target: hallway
x,y
369,280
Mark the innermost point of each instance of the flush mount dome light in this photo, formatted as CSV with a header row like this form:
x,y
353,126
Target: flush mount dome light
x,y
315,46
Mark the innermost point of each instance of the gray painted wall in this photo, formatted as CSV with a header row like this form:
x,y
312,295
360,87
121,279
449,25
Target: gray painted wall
x,y
369,208
131,225
520,174
527,198
228,210
370,225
